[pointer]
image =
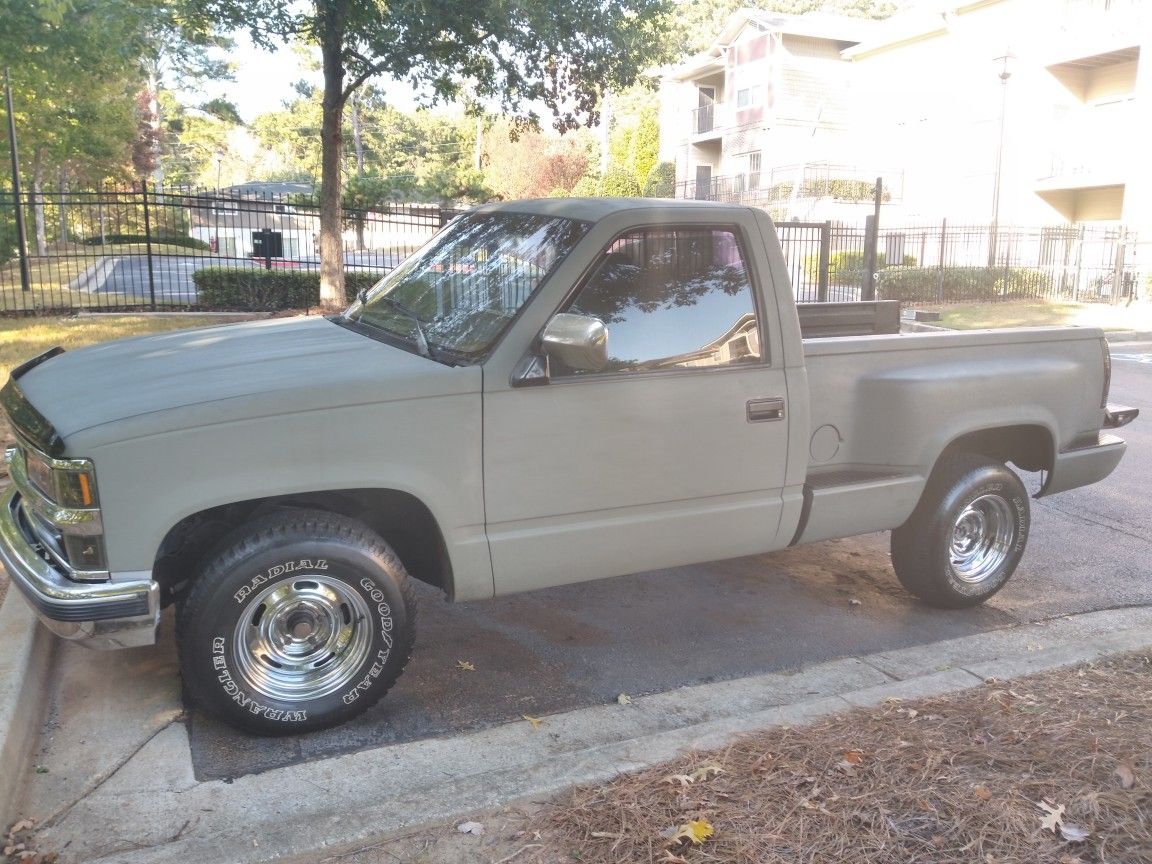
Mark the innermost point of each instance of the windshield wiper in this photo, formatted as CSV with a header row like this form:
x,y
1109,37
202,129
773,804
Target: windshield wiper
x,y
422,343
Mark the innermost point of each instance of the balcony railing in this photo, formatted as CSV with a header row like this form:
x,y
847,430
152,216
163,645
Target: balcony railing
x,y
707,118
822,180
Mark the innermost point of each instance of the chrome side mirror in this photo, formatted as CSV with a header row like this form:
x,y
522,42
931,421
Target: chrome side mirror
x,y
580,342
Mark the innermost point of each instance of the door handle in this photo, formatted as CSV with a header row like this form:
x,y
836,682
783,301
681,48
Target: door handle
x,y
762,410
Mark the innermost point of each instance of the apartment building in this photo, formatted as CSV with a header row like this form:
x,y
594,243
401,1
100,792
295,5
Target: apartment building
x,y
1008,111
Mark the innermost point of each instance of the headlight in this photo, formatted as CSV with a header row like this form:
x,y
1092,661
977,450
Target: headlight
x,y
69,482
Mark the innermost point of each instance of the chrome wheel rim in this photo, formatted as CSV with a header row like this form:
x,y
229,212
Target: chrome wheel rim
x,y
303,638
982,538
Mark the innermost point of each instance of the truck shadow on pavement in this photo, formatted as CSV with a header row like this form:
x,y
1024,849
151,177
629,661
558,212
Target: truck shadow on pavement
x,y
579,645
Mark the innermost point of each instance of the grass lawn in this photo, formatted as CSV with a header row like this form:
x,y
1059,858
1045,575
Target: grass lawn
x,y
1039,313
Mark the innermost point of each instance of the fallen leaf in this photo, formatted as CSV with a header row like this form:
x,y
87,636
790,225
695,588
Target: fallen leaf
x,y
695,832
476,829
1074,833
682,779
465,665
1126,774
706,772
854,757
624,699
22,825
982,792
535,721
1055,816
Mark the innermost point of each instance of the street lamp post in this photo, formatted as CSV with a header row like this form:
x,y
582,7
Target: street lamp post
x,y
1005,73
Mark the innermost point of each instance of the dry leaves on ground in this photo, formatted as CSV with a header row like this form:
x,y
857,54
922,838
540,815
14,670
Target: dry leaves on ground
x,y
1058,768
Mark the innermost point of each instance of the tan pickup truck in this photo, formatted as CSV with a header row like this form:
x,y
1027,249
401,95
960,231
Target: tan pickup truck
x,y
549,391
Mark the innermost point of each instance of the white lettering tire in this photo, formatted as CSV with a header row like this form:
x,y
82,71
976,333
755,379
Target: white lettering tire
x,y
300,620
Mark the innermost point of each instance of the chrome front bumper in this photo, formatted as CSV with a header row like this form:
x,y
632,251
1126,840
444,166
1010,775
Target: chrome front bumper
x,y
110,614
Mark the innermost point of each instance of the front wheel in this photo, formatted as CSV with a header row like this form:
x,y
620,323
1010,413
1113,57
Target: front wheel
x,y
302,620
966,535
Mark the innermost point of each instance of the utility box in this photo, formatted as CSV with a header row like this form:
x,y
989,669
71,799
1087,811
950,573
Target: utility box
x,y
267,244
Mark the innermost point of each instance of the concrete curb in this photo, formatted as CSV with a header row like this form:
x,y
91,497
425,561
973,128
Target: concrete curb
x,y
93,279
24,666
360,798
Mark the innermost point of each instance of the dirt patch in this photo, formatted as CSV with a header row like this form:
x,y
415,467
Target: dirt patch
x,y
1053,769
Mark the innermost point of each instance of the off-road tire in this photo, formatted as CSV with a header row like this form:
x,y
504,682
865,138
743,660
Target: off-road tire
x,y
298,621
966,535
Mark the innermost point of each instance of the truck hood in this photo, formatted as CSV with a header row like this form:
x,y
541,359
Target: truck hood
x,y
211,375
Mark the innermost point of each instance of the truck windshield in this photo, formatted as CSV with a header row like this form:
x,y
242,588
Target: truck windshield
x,y
460,291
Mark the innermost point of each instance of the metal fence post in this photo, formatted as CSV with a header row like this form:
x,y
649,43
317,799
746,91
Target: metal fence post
x,y
871,242
943,252
825,258
1118,267
868,280
148,243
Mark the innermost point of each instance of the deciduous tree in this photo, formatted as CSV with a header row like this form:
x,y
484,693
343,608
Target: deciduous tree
x,y
518,54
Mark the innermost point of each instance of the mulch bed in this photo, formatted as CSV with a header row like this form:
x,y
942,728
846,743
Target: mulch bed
x,y
1053,768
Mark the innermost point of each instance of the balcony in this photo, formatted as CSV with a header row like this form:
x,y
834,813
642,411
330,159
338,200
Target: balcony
x,y
1087,29
707,121
817,180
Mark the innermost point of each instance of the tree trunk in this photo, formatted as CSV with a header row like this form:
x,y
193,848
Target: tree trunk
x,y
333,15
357,138
38,204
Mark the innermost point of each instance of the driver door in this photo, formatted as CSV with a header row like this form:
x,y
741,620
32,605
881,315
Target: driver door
x,y
674,452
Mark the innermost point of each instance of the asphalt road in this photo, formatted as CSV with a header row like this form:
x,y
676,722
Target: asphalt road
x,y
172,274
570,647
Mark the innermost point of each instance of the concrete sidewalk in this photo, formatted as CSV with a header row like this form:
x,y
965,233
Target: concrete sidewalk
x,y
119,785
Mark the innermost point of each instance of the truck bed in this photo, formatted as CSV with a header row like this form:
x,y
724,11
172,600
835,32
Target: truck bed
x,y
882,407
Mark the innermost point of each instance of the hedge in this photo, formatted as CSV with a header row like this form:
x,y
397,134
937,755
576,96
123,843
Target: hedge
x,y
951,284
846,268
168,239
258,290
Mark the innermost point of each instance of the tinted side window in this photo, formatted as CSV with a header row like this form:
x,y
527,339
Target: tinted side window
x,y
673,298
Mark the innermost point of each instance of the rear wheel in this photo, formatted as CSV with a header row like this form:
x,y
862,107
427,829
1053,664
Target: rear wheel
x,y
302,620
966,535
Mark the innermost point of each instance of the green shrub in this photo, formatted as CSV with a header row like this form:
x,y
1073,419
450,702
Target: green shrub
x,y
254,290
169,239
661,182
587,186
846,268
619,182
953,284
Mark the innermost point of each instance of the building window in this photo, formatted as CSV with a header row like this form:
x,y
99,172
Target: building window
x,y
748,96
749,168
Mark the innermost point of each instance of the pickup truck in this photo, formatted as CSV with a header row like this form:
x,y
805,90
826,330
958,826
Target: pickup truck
x,y
547,392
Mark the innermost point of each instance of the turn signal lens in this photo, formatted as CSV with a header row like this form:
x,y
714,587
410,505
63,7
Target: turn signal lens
x,y
69,483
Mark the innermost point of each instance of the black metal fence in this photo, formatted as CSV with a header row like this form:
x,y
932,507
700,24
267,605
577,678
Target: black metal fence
x,y
946,263
132,249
